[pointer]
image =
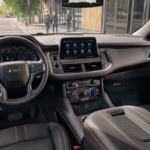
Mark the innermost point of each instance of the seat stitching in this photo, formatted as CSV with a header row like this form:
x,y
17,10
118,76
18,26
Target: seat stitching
x,y
16,135
73,114
95,137
61,138
121,132
140,113
51,135
25,131
67,136
24,142
67,123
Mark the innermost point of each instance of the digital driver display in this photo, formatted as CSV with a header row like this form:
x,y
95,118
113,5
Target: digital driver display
x,y
77,48
7,58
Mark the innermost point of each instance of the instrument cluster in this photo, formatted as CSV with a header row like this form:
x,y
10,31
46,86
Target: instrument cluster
x,y
17,53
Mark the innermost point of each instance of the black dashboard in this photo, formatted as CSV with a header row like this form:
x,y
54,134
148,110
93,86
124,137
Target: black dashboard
x,y
17,52
106,53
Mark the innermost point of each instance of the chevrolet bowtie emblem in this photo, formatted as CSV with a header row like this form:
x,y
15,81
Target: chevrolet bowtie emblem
x,y
14,70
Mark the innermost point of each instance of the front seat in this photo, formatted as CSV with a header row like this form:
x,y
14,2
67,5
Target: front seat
x,y
41,136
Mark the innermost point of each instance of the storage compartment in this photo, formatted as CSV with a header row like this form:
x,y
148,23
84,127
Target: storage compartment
x,y
132,125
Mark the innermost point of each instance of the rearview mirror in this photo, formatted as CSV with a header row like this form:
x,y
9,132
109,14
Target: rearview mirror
x,y
82,3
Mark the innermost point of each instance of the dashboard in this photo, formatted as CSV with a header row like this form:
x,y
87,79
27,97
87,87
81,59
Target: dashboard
x,y
16,53
66,59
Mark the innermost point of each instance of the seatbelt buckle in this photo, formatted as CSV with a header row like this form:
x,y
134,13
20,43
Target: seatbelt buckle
x,y
77,148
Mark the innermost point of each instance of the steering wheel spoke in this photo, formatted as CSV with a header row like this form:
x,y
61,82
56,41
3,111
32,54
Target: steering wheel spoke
x,y
36,67
3,93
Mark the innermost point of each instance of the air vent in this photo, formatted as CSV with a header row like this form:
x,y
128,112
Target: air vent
x,y
149,55
93,66
72,68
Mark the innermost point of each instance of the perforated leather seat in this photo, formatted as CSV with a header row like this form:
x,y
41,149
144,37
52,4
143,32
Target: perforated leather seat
x,y
42,136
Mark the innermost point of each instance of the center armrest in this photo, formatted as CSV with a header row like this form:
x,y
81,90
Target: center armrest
x,y
118,128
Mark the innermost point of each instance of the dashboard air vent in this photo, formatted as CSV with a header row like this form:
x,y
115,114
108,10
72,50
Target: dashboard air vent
x,y
72,68
149,55
93,66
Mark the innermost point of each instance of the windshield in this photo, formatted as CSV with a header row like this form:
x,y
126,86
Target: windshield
x,y
48,16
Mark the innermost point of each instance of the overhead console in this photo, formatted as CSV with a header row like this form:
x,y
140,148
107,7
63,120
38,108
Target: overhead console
x,y
77,58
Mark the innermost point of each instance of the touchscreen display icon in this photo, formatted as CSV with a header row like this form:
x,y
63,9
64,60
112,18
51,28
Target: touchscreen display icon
x,y
89,44
89,51
67,45
82,50
75,44
82,44
75,51
68,52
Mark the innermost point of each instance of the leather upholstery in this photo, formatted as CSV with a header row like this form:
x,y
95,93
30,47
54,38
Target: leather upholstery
x,y
63,107
42,136
105,133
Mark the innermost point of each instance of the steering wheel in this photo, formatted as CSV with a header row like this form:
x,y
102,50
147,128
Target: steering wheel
x,y
18,74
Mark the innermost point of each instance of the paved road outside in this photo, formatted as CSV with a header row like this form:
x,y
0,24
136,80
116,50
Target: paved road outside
x,y
12,26
8,25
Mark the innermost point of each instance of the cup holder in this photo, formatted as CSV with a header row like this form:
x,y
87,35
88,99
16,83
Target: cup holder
x,y
83,119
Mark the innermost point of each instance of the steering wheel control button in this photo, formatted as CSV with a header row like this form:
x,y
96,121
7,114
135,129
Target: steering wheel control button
x,y
36,68
38,76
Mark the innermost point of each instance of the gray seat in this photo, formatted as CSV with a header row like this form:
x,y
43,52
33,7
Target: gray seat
x,y
42,136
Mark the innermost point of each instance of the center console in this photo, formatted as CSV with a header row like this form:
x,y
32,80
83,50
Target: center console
x,y
83,90
78,58
78,64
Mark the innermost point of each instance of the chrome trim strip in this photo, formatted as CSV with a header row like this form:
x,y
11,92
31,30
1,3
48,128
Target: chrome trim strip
x,y
80,61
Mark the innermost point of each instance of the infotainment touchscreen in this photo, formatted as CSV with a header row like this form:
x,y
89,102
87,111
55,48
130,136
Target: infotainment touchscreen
x,y
77,48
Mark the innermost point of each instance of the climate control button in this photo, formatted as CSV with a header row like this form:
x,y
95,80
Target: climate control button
x,y
71,95
95,91
93,81
73,84
85,93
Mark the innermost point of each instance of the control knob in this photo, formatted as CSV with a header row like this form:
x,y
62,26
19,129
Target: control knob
x,y
73,84
71,95
93,81
84,93
95,91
